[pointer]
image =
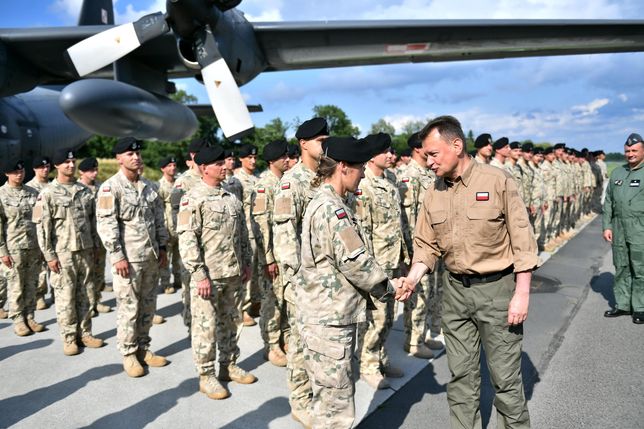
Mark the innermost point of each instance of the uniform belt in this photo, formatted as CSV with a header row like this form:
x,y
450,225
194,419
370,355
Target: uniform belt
x,y
471,279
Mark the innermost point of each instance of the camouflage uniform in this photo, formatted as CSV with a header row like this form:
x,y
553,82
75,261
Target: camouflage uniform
x,y
130,224
379,211
41,288
164,189
549,174
214,245
99,260
234,186
18,240
496,163
515,170
559,193
66,225
587,185
335,280
253,291
273,308
182,185
537,198
527,177
292,196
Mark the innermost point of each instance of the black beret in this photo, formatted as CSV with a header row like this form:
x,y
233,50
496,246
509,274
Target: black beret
x,y
197,144
527,147
210,154
347,149
599,152
560,146
414,141
229,154
312,128
537,151
482,140
584,151
88,164
247,150
274,150
500,143
293,151
14,165
548,150
379,143
406,152
515,145
40,161
570,150
62,155
127,144
163,162
633,139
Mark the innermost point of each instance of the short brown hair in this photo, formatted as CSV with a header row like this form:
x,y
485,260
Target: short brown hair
x,y
447,126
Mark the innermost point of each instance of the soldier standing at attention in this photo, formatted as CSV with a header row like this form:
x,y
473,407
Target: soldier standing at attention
x,y
512,166
293,155
474,218
550,179
246,175
386,235
66,224
538,199
527,177
19,248
215,251
336,280
130,223
622,223
292,195
232,183
501,152
168,166
483,145
88,172
272,320
41,166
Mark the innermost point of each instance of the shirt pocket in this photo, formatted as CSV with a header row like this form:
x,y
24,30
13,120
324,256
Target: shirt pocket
x,y
215,217
61,207
11,208
485,224
129,206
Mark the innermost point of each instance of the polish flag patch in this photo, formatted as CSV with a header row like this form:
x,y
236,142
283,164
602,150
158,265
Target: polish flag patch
x,y
178,186
340,213
286,185
106,188
405,180
184,202
260,190
358,192
482,196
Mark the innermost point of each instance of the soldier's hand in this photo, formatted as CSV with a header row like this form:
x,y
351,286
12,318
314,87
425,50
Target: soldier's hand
x,y
245,274
272,271
533,210
163,258
204,288
518,308
54,265
7,261
608,235
122,268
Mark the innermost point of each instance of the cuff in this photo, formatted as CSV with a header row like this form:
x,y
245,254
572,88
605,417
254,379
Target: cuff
x,y
4,251
199,275
117,256
525,261
50,256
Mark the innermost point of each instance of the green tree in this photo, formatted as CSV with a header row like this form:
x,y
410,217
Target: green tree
x,y
382,126
339,122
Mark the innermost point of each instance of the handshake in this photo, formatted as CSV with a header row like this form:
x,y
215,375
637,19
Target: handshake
x,y
404,288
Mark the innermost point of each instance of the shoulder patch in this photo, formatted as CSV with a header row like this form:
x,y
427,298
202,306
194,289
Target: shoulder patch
x,y
283,206
105,202
286,185
351,241
261,190
340,213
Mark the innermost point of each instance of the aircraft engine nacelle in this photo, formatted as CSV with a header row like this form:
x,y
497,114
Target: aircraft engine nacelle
x,y
116,109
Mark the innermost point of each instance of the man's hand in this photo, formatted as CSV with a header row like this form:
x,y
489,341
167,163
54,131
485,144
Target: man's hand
x,y
245,274
403,291
122,268
7,261
204,288
518,308
533,210
608,235
163,258
272,271
54,265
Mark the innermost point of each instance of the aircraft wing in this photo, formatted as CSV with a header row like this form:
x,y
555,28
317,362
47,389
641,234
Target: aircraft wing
x,y
303,45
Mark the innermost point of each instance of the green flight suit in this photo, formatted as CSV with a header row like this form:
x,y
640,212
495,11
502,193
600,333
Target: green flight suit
x,y
624,215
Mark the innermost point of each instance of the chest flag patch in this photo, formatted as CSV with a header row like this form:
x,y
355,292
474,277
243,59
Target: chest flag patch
x,y
286,185
340,214
482,196
635,183
358,192
106,188
618,182
405,180
260,190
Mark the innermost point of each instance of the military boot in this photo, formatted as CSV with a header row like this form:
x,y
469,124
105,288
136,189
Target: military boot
x,y
375,380
391,371
3,313
158,319
41,304
276,356
102,308
91,342
21,329
108,288
70,348
234,373
434,344
209,385
302,417
132,366
169,290
35,326
420,351
147,358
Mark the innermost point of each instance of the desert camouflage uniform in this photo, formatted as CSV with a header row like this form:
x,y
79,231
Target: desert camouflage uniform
x,y
41,288
292,195
164,189
496,163
426,302
537,198
335,280
98,262
549,174
214,245
527,177
379,211
130,224
515,170
183,184
253,291
66,225
579,188
273,308
18,240
587,186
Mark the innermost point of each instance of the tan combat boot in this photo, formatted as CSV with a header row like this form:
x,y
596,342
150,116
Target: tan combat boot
x,y
277,357
169,290
41,304
420,351
234,373
158,319
3,313
375,380
108,288
92,342
302,417
35,326
70,348
132,366
21,329
209,385
248,320
102,308
147,358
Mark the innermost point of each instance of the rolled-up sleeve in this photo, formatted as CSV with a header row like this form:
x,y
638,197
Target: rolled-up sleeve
x,y
426,248
522,242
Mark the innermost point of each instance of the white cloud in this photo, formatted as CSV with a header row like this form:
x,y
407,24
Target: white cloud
x,y
133,13
399,121
623,97
69,7
265,16
591,108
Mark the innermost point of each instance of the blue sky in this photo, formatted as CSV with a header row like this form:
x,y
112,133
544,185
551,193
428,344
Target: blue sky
x,y
589,101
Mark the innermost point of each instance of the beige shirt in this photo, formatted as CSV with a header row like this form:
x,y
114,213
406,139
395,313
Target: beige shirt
x,y
478,224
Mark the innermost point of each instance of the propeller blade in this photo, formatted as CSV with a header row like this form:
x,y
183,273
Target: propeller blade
x,y
104,48
224,94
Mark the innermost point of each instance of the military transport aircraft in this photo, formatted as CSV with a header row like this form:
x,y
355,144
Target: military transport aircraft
x,y
115,80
